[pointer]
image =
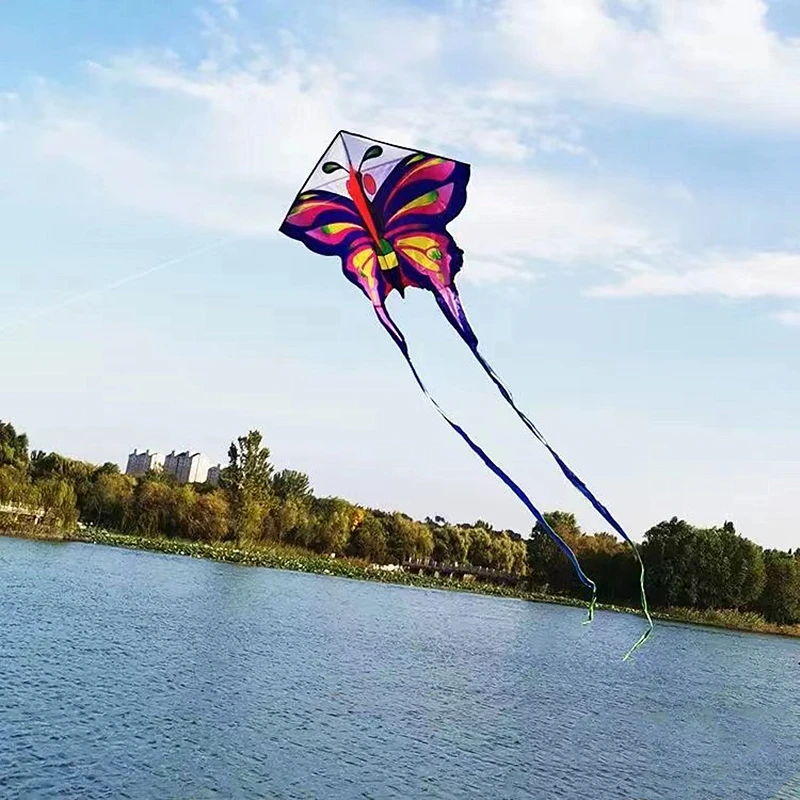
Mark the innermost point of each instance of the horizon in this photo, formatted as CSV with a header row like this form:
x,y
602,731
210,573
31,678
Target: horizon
x,y
524,533
631,267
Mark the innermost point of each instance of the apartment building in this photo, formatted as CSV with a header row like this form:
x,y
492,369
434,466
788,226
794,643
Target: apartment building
x,y
139,463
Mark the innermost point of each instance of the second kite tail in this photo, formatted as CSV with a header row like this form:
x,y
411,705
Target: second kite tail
x,y
399,340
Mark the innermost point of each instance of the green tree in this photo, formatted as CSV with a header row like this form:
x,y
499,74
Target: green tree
x,y
108,499
17,488
480,548
450,542
13,447
407,539
502,555
58,499
286,518
329,525
247,483
613,566
746,573
669,555
519,557
208,518
442,541
701,567
181,507
152,508
368,540
289,484
548,567
289,511
780,598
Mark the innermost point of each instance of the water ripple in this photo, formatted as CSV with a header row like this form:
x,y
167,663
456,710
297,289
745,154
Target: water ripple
x,y
135,675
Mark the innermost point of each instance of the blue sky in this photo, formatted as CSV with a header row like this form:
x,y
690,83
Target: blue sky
x,y
632,256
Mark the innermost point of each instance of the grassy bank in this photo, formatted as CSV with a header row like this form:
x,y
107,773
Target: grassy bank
x,y
11,525
278,556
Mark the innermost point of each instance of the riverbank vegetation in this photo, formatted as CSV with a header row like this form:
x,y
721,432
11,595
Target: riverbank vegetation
x,y
263,516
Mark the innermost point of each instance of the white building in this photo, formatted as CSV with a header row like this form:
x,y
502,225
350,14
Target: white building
x,y
188,467
139,463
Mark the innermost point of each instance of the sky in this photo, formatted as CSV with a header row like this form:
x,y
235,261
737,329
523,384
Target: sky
x,y
632,257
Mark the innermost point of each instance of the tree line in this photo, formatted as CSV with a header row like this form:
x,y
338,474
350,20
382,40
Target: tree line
x,y
255,504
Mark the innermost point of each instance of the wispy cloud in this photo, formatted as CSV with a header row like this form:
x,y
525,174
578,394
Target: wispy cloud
x,y
763,274
221,142
708,59
788,317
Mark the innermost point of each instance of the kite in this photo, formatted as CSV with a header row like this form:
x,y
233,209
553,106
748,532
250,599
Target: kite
x,y
384,210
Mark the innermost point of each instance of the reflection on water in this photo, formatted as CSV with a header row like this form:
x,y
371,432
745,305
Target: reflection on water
x,y
136,675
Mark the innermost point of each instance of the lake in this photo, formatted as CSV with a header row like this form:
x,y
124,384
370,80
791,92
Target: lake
x,y
136,675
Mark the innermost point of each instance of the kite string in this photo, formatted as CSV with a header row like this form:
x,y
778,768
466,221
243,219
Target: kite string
x,y
399,340
579,485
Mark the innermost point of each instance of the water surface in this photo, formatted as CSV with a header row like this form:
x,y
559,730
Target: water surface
x,y
139,675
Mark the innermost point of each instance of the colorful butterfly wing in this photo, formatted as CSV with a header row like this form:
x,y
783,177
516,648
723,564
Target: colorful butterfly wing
x,y
330,225
431,260
424,189
326,223
361,267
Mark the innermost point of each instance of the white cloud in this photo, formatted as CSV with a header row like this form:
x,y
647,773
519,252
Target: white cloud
x,y
538,218
788,317
230,8
481,270
223,145
749,276
712,59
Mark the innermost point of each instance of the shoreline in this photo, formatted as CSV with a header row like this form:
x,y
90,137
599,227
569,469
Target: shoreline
x,y
286,557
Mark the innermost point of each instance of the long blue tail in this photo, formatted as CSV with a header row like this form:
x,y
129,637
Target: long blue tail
x,y
454,313
580,486
399,340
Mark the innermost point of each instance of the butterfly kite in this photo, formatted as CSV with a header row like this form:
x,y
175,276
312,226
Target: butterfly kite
x,y
383,210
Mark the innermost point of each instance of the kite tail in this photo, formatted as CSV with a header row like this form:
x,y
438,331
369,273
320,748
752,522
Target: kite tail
x,y
399,340
450,303
580,486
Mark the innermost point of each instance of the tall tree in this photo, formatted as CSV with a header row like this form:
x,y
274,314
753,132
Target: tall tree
x,y
671,569
247,482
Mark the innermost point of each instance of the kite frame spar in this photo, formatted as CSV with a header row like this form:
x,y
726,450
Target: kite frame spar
x,y
383,252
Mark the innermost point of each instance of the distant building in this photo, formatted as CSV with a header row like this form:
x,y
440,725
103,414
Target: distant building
x,y
139,463
214,475
188,467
